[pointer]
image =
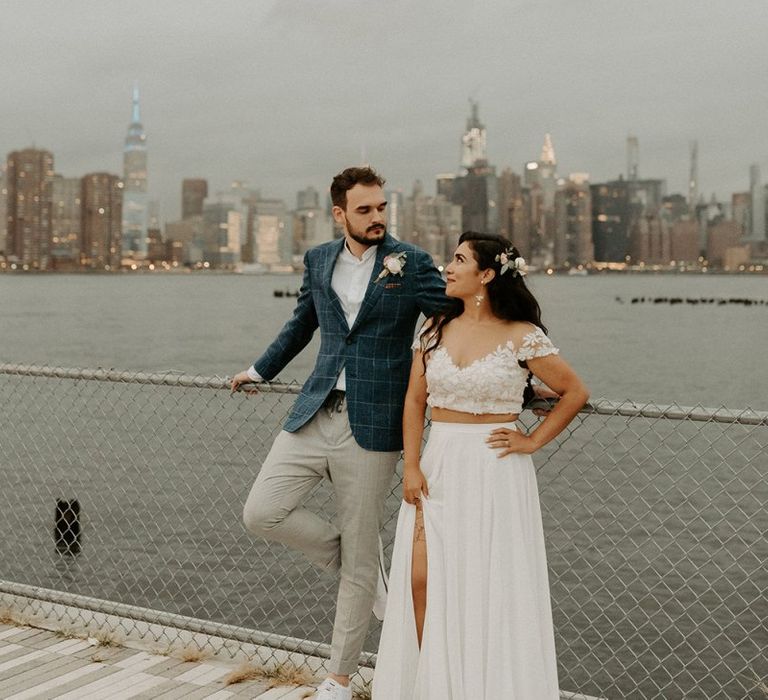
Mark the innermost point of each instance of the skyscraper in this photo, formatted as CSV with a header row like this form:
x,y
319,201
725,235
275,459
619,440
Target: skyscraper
x,y
633,158
433,223
29,177
573,222
311,224
757,217
65,221
135,201
473,142
102,216
540,176
741,211
193,194
3,210
693,177
476,189
611,217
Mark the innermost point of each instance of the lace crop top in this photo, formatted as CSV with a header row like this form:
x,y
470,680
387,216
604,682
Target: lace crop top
x,y
491,384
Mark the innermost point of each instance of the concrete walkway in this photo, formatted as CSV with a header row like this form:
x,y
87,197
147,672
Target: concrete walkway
x,y
42,665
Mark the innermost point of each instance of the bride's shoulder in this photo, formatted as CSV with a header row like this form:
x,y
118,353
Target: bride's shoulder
x,y
518,331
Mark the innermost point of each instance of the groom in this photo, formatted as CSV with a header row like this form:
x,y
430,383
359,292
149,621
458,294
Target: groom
x,y
365,292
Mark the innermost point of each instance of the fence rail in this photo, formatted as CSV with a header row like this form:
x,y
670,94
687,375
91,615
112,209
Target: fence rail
x,y
655,519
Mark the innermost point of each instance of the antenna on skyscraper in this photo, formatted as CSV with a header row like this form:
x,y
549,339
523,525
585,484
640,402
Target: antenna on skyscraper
x,y
693,176
633,158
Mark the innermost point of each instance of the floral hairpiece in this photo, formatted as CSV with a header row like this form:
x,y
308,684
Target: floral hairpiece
x,y
509,262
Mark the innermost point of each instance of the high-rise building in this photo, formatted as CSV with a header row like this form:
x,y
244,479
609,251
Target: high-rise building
x,y
308,198
611,218
193,194
684,242
693,177
633,158
272,233
224,227
3,210
540,176
473,141
102,217
311,223
649,240
723,236
432,223
66,212
573,222
475,190
757,212
510,190
741,211
135,198
185,240
649,194
29,177
674,207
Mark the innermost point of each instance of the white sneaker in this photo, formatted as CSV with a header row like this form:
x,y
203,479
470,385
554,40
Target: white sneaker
x,y
382,587
329,689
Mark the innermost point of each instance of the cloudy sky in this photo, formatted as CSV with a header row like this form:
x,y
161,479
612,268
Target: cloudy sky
x,y
285,94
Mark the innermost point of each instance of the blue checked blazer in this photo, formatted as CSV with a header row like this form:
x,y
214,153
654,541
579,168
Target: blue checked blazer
x,y
376,351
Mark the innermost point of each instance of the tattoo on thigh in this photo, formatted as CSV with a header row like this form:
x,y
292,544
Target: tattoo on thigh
x,y
419,535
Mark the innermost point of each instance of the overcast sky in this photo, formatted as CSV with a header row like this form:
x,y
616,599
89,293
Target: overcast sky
x,y
285,94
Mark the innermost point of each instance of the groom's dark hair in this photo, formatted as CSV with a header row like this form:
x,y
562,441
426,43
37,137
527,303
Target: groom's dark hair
x,y
350,177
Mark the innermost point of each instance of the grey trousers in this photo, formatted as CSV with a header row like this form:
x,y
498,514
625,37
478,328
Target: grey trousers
x,y
325,448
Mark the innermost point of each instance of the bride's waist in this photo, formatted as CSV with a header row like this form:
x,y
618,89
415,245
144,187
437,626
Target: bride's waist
x,y
446,415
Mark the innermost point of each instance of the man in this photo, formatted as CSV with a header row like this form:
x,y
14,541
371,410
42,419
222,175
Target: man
x,y
365,292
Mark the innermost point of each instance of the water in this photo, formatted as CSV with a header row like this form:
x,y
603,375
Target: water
x,y
655,528
218,324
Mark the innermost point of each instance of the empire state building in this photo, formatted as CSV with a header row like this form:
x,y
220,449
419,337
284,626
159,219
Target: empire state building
x,y
135,203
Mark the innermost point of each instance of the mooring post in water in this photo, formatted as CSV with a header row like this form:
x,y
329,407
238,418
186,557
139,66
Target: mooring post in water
x,y
66,529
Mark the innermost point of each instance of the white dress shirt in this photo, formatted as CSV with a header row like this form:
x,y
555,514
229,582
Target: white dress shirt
x,y
350,282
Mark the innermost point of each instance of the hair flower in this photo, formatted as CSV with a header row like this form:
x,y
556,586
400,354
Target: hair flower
x,y
510,261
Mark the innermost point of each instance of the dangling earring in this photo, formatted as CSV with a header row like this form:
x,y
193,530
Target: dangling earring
x,y
479,297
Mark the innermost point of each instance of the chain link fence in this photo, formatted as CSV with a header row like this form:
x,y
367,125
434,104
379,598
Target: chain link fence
x,y
124,490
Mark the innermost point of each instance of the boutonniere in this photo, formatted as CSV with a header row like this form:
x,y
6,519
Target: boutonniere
x,y
393,265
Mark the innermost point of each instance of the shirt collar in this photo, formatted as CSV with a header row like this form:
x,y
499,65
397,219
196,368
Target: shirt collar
x,y
367,255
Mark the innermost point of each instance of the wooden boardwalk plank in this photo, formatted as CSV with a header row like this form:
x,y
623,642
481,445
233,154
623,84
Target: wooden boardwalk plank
x,y
56,683
51,669
39,664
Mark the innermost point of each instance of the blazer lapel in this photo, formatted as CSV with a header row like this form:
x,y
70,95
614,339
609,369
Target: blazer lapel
x,y
330,264
374,290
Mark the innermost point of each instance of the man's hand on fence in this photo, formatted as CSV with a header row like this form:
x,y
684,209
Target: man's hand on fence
x,y
240,380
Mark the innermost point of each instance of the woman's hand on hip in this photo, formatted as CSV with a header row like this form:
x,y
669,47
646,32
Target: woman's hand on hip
x,y
414,484
510,442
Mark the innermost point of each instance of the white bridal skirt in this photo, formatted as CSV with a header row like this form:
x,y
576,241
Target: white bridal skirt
x,y
488,628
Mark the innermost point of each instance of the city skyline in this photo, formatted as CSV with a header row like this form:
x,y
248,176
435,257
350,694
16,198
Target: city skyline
x,y
299,92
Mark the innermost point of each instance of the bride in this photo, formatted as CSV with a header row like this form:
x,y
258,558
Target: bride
x,y
468,614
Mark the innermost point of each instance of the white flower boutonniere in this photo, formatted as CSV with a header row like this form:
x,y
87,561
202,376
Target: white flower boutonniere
x,y
393,265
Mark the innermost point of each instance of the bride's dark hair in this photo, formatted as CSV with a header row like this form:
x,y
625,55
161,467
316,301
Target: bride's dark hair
x,y
508,294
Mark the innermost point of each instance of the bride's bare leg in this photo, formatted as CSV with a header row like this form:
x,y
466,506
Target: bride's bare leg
x,y
419,571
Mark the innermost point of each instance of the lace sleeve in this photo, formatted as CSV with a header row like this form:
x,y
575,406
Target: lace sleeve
x,y
423,337
536,344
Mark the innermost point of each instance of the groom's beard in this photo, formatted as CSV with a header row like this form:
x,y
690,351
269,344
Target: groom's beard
x,y
373,235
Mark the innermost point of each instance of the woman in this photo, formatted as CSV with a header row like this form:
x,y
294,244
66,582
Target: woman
x,y
468,614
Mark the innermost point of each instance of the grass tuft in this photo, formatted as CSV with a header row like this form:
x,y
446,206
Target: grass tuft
x,y
284,674
192,654
364,694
